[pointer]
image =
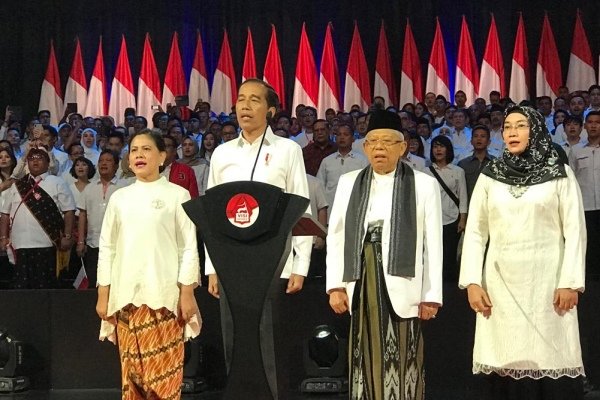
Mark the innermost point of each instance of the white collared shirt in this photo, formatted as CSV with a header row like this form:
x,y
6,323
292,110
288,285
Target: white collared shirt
x,y
93,200
454,177
461,141
26,232
585,163
417,163
303,138
335,165
280,163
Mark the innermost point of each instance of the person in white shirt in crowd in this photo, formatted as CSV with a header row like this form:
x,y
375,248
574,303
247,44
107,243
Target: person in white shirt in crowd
x,y
309,116
229,131
544,107
362,121
209,143
453,192
384,265
74,151
558,119
82,171
461,135
560,103
414,152
460,99
474,164
441,105
92,205
342,161
424,131
446,121
191,158
576,107
523,268
573,126
38,209
14,138
43,136
88,142
585,163
148,268
7,165
496,121
594,92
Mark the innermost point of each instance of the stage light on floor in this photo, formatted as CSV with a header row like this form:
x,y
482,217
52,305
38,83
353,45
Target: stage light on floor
x,y
325,362
12,360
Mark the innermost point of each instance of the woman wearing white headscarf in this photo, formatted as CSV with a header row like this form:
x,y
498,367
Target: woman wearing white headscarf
x,y
88,141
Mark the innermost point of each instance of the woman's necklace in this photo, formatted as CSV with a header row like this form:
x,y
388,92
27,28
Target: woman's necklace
x,y
517,190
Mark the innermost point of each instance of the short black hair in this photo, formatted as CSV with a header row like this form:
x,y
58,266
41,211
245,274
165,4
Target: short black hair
x,y
272,97
44,111
143,119
50,129
118,135
593,87
155,136
71,146
573,118
112,153
481,128
91,168
444,141
591,114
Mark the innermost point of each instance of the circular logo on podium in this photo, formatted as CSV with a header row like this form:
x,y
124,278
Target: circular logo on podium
x,y
242,210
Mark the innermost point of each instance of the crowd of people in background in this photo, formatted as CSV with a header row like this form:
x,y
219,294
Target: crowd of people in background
x,y
81,162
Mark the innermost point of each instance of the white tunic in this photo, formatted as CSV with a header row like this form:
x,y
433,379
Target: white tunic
x,y
536,245
147,248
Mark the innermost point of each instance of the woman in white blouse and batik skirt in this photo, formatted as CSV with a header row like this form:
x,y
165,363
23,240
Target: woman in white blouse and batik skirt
x,y
528,205
454,200
147,271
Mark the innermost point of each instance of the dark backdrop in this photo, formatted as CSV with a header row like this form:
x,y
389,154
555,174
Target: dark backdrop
x,y
28,26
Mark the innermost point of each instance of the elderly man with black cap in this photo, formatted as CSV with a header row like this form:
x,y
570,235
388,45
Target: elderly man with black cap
x,y
384,264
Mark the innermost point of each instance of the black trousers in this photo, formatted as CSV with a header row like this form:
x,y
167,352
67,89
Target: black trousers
x,y
495,387
90,260
35,268
450,238
592,258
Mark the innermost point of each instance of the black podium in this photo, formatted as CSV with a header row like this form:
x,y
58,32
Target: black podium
x,y
246,227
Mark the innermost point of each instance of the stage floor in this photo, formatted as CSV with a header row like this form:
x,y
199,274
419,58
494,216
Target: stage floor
x,y
114,394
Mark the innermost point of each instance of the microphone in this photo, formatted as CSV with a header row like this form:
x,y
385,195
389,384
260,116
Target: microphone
x,y
269,116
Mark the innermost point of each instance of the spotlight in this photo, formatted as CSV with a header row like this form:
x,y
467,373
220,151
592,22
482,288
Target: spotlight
x,y
12,356
325,362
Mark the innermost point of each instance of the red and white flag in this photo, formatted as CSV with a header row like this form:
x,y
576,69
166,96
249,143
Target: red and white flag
x,y
411,83
357,89
273,72
384,85
249,68
121,93
76,90
306,87
329,78
437,69
224,88
467,73
198,90
51,93
548,71
97,104
175,84
81,281
519,74
149,91
492,66
581,73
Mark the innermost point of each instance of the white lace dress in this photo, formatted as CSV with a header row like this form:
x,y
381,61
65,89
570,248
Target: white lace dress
x,y
536,244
